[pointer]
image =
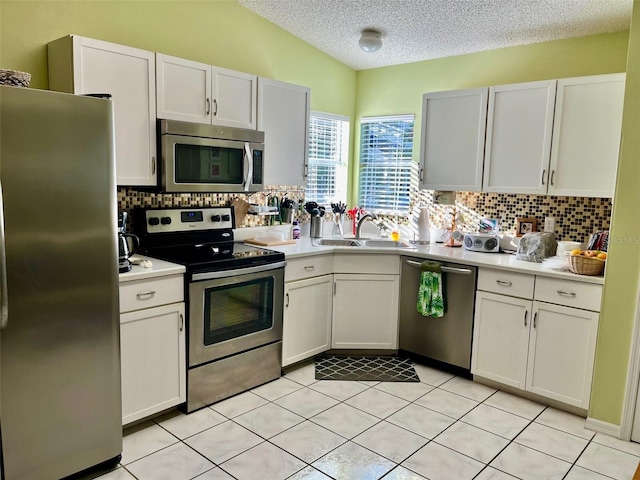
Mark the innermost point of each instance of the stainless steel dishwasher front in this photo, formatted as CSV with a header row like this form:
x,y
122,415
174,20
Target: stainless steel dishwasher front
x,y
446,339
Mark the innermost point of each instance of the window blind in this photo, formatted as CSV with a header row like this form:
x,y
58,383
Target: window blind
x,y
387,171
328,154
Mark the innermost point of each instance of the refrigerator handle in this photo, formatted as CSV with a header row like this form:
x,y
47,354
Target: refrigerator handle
x,y
4,301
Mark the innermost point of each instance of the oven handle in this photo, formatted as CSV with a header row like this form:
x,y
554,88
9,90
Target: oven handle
x,y
249,156
238,271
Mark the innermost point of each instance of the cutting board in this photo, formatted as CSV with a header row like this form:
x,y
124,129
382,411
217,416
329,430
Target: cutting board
x,y
269,243
240,209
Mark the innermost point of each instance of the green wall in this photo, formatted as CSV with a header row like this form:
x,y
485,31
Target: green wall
x,y
218,32
623,266
223,33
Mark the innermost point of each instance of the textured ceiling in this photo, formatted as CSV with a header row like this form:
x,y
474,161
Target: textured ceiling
x,y
415,30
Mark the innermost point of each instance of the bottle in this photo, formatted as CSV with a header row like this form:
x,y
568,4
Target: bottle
x,y
295,230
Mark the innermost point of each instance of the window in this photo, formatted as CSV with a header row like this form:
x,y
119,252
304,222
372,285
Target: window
x,y
387,171
328,155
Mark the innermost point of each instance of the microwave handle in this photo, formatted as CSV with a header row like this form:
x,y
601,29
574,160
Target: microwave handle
x,y
249,170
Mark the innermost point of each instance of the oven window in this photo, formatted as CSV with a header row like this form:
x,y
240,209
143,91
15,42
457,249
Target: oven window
x,y
232,311
208,164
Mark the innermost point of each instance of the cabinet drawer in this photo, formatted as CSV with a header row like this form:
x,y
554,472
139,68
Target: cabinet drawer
x,y
308,267
381,264
567,292
151,292
506,283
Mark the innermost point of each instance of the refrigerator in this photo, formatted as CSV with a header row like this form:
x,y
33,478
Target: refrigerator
x,y
60,404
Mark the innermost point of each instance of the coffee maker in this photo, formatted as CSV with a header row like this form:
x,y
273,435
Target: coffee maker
x,y
128,244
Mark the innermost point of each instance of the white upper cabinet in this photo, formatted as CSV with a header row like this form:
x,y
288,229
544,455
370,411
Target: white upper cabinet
x,y
518,146
586,135
283,115
83,65
196,92
453,135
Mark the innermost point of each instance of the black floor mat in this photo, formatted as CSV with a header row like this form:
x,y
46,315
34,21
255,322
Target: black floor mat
x,y
365,368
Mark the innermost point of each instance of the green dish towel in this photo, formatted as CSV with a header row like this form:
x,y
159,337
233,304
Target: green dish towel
x,y
430,299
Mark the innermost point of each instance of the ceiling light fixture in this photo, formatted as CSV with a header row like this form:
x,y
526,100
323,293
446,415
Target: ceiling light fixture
x,y
370,40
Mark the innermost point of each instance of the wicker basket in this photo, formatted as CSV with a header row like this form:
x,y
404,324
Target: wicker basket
x,y
586,265
14,78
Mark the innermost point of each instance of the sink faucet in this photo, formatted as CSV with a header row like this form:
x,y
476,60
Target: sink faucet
x,y
371,216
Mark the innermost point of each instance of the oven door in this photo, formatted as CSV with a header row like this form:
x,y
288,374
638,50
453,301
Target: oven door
x,y
194,164
234,311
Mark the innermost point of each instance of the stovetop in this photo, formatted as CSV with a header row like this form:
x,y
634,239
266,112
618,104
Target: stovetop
x,y
201,239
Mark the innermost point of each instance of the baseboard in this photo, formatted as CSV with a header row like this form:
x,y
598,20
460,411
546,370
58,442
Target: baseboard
x,y
603,427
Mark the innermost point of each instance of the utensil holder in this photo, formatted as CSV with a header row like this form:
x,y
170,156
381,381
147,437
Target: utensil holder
x,y
316,227
287,215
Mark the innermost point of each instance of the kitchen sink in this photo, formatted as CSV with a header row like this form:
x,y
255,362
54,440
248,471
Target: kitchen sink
x,y
337,242
371,243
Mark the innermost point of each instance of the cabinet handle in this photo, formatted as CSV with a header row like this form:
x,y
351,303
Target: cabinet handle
x,y
145,295
287,304
421,174
504,283
309,268
306,170
153,165
181,322
566,294
526,314
207,107
535,317
544,174
335,286
553,172
215,104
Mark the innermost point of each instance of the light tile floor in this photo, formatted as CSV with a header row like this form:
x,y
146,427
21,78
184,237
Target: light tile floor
x,y
444,428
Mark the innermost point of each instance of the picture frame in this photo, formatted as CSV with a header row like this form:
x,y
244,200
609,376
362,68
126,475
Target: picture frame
x,y
526,225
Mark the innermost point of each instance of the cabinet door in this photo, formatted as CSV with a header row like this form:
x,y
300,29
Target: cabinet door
x,y
561,353
152,345
234,98
365,311
501,338
128,74
453,134
518,145
283,115
586,135
307,318
184,89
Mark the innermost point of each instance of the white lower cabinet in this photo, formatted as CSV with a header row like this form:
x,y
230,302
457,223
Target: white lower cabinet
x,y
501,338
152,344
307,318
365,311
541,347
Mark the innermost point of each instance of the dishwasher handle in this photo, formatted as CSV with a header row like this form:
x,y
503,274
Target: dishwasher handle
x,y
461,271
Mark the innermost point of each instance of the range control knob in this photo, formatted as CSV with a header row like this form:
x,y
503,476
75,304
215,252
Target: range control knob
x,y
154,221
215,218
165,220
226,218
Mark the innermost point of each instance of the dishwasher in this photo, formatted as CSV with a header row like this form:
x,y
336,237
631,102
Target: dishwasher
x,y
443,341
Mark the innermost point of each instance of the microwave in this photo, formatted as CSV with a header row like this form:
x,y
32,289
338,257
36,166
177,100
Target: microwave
x,y
203,158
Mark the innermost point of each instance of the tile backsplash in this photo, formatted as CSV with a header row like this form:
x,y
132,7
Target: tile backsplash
x,y
576,217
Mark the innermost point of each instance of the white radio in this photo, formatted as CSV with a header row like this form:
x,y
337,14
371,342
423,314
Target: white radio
x,y
482,242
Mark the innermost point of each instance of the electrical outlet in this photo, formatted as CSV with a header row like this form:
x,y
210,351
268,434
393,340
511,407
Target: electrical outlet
x,y
549,224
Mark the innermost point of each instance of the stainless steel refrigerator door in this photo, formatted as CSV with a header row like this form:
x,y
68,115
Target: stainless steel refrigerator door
x,y
60,381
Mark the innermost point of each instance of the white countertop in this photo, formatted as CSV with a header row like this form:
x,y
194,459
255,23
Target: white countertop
x,y
500,261
158,268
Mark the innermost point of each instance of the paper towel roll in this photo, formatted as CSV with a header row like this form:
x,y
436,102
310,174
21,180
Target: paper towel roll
x,y
423,225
